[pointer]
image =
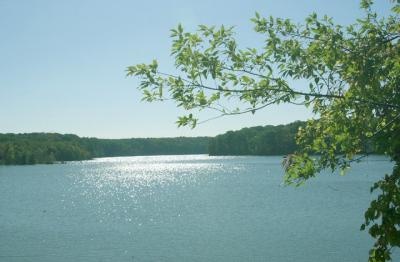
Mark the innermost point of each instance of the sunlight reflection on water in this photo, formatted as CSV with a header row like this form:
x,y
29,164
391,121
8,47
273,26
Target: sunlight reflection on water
x,y
183,208
144,171
129,180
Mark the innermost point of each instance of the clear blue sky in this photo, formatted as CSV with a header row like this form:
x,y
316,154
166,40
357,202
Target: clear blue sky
x,y
62,63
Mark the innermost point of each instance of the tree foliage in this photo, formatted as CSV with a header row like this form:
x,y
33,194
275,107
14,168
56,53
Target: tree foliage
x,y
353,76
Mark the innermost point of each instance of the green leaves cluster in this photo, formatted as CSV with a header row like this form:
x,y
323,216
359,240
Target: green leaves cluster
x,y
353,76
386,209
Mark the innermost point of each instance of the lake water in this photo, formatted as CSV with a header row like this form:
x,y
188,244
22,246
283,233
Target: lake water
x,y
183,208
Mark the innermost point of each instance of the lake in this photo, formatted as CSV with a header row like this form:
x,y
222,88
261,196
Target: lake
x,y
183,208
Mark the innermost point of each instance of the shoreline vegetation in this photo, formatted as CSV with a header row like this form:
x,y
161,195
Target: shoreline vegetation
x,y
49,148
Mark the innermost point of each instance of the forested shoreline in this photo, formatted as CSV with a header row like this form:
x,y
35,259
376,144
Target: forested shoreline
x,y
47,148
259,140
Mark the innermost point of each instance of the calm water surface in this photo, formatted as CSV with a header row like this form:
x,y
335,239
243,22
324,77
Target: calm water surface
x,y
182,208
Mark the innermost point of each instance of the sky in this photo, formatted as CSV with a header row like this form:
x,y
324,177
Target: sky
x,y
62,63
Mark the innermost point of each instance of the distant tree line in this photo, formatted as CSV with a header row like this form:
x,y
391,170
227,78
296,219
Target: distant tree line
x,y
259,140
47,148
39,148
